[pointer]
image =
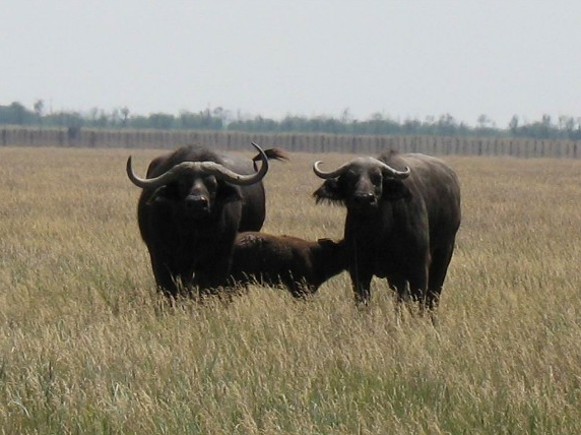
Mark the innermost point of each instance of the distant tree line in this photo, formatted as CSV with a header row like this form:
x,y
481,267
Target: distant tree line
x,y
218,119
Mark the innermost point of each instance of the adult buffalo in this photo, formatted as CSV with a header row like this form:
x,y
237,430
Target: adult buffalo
x,y
193,203
401,223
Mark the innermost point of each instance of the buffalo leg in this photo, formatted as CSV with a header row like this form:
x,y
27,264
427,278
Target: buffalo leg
x,y
361,280
210,280
418,283
438,269
361,287
167,279
398,283
361,272
213,273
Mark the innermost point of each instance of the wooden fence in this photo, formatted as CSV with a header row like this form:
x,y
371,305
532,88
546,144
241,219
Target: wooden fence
x,y
316,143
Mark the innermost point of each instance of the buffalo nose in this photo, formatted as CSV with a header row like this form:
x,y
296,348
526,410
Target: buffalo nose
x,y
197,202
364,199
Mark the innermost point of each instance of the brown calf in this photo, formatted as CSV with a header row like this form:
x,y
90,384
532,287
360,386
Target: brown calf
x,y
299,265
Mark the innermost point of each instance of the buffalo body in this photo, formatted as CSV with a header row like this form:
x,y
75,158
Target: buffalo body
x,y
299,265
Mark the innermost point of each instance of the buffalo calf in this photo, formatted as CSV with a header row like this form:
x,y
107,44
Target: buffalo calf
x,y
299,265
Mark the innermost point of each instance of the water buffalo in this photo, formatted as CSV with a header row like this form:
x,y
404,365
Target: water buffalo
x,y
401,223
299,265
193,203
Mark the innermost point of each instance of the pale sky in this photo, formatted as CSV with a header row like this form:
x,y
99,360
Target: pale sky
x,y
404,59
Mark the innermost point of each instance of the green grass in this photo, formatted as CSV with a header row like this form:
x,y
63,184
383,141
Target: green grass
x,y
88,346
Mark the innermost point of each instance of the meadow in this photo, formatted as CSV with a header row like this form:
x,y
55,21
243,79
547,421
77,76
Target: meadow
x,y
88,346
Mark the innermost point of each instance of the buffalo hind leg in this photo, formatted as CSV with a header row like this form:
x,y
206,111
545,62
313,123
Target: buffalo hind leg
x,y
418,284
438,269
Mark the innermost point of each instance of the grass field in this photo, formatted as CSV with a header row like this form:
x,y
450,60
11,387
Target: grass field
x,y
86,346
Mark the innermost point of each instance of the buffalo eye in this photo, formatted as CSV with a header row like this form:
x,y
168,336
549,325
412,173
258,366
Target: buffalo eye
x,y
376,178
169,191
184,185
349,178
211,182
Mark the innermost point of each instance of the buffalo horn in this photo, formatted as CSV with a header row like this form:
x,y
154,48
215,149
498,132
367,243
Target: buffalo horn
x,y
212,168
337,172
239,179
332,174
394,172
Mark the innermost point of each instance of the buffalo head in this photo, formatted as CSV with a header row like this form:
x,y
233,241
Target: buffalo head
x,y
193,189
360,183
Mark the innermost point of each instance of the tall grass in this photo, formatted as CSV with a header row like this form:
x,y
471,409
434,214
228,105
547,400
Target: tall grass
x,y
88,346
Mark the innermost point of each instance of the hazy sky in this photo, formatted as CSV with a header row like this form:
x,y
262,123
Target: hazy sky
x,y
404,59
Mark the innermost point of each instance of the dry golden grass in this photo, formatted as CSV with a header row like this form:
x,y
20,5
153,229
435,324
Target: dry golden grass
x,y
87,347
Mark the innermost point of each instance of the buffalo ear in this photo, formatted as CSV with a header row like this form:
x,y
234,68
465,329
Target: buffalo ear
x,y
394,190
153,165
330,191
228,193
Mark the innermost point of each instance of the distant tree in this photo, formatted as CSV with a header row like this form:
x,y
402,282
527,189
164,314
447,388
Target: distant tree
x,y
545,127
412,126
161,121
484,121
39,109
485,126
218,112
446,125
124,116
18,113
346,116
93,115
115,118
513,124
219,119
576,134
103,120
189,120
138,122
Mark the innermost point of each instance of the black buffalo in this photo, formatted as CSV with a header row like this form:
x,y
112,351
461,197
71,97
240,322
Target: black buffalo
x,y
193,203
401,223
299,265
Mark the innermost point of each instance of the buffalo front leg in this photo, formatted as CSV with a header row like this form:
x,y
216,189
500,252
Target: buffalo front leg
x,y
169,280
361,271
213,274
361,285
361,275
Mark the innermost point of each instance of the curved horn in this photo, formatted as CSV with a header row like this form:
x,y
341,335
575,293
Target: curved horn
x,y
233,177
394,172
165,178
213,168
385,168
332,174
